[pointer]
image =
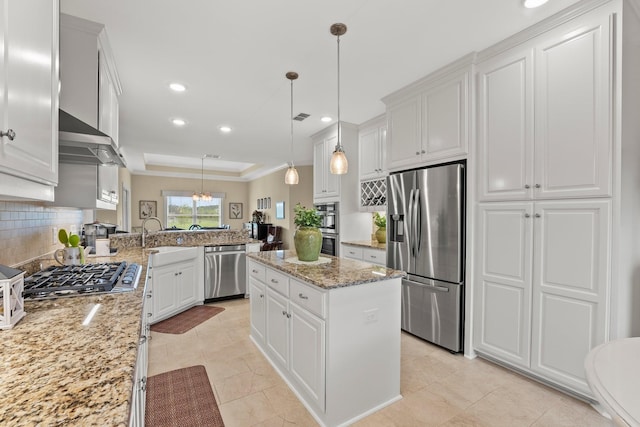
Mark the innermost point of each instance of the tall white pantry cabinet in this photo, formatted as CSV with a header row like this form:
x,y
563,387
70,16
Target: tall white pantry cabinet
x,y
558,192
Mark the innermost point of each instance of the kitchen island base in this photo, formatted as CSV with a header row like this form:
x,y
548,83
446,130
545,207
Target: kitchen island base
x,y
337,348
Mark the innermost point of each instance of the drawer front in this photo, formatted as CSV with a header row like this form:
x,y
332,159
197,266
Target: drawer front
x,y
311,299
278,282
257,270
375,256
352,252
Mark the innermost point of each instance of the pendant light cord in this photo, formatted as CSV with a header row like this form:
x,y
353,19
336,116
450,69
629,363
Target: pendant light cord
x,y
339,125
291,120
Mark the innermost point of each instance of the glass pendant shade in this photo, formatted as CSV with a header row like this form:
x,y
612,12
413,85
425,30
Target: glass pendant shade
x,y
339,164
291,177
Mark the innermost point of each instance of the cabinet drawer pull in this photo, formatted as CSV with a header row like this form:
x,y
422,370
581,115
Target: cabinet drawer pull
x,y
274,281
417,153
149,314
10,133
303,296
538,185
261,295
148,295
423,151
373,256
527,215
254,271
284,313
527,186
537,215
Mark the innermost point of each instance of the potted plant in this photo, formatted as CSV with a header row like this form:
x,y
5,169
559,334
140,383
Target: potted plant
x,y
308,238
381,222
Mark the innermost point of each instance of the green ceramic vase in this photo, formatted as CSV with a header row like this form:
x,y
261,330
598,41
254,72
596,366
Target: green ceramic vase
x,y
381,235
308,242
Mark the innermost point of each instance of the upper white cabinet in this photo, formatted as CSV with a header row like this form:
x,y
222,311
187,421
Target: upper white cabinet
x,y
90,85
29,98
372,139
327,186
428,121
544,130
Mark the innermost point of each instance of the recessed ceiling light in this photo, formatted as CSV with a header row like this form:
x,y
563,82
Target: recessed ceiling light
x,y
177,87
178,122
225,129
325,119
530,4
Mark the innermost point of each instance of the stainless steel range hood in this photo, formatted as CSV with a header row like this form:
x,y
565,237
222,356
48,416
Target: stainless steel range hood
x,y
81,144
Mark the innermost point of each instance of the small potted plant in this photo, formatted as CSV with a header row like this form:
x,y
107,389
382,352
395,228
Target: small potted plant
x,y
308,238
381,222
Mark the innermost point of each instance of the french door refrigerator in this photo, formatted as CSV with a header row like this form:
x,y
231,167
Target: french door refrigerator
x,y
426,238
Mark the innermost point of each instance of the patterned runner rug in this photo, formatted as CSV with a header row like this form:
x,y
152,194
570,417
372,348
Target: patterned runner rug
x,y
181,398
181,323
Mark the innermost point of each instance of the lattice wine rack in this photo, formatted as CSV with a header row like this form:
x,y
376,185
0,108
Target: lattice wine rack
x,y
11,299
373,193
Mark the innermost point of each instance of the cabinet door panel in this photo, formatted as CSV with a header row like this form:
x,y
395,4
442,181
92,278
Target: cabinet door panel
x,y
308,353
318,170
403,138
278,328
573,137
369,153
505,127
29,89
257,306
444,122
164,297
570,283
503,294
186,289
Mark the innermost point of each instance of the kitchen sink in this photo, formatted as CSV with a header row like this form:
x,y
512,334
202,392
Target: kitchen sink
x,y
171,254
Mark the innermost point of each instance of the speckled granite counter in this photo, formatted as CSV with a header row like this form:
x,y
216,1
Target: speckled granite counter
x,y
335,273
182,238
55,371
367,244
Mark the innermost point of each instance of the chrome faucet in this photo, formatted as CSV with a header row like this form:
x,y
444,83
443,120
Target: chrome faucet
x,y
144,229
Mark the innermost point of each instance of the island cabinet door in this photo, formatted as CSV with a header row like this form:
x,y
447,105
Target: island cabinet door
x,y
164,285
278,328
187,281
307,364
257,303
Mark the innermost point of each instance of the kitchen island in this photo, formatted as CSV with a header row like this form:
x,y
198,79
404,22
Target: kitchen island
x,y
331,329
56,371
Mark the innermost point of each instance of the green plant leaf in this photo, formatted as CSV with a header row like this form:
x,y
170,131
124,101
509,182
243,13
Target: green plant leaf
x,y
62,236
306,217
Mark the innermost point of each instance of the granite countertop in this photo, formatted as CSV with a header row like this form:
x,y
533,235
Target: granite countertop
x,y
367,244
328,272
55,371
181,238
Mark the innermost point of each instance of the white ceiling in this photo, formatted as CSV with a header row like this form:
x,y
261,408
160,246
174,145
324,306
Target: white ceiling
x,y
233,56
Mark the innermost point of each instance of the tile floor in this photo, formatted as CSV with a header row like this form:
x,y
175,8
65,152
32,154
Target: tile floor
x,y
438,388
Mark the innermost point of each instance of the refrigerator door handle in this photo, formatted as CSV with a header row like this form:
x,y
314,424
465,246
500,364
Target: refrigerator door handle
x,y
412,240
417,221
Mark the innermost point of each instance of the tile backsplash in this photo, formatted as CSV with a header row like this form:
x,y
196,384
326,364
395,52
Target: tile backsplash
x,y
26,229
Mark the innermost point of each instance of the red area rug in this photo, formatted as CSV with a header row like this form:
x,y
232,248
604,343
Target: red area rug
x,y
181,398
181,323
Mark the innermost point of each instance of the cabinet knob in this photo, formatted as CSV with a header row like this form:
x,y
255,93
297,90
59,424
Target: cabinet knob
x,y
284,313
527,215
175,274
143,339
423,151
10,133
261,295
417,153
254,271
538,186
537,215
149,295
274,281
303,296
527,186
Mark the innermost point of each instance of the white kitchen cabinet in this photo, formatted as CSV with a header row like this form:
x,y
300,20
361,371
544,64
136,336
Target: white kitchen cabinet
x,y
29,98
544,131
139,394
541,285
309,332
372,139
372,255
90,85
176,283
428,121
325,184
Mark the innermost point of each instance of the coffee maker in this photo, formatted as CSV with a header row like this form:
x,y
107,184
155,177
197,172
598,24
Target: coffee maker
x,y
95,231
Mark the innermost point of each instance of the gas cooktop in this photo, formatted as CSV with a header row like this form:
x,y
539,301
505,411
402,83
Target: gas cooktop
x,y
79,280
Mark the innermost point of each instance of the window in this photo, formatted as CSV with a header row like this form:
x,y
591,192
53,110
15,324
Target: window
x,y
183,211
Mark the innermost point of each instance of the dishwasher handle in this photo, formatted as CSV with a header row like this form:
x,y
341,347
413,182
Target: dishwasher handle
x,y
225,248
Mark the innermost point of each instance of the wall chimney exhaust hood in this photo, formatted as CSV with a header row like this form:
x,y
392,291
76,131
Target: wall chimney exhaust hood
x,y
81,144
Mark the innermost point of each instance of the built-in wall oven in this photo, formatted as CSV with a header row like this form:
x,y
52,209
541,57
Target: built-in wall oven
x,y
329,226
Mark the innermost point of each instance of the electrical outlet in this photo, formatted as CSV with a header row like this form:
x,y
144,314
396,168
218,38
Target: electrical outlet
x,y
54,235
371,315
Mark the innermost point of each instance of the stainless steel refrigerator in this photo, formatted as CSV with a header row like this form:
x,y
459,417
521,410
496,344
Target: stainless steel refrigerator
x,y
426,238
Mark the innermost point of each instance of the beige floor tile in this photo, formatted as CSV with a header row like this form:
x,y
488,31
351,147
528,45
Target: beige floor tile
x,y
438,388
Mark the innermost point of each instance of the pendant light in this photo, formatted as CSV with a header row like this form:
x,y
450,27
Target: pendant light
x,y
202,195
339,164
291,177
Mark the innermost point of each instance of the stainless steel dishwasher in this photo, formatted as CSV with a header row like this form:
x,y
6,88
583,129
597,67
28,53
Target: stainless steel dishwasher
x,y
225,274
